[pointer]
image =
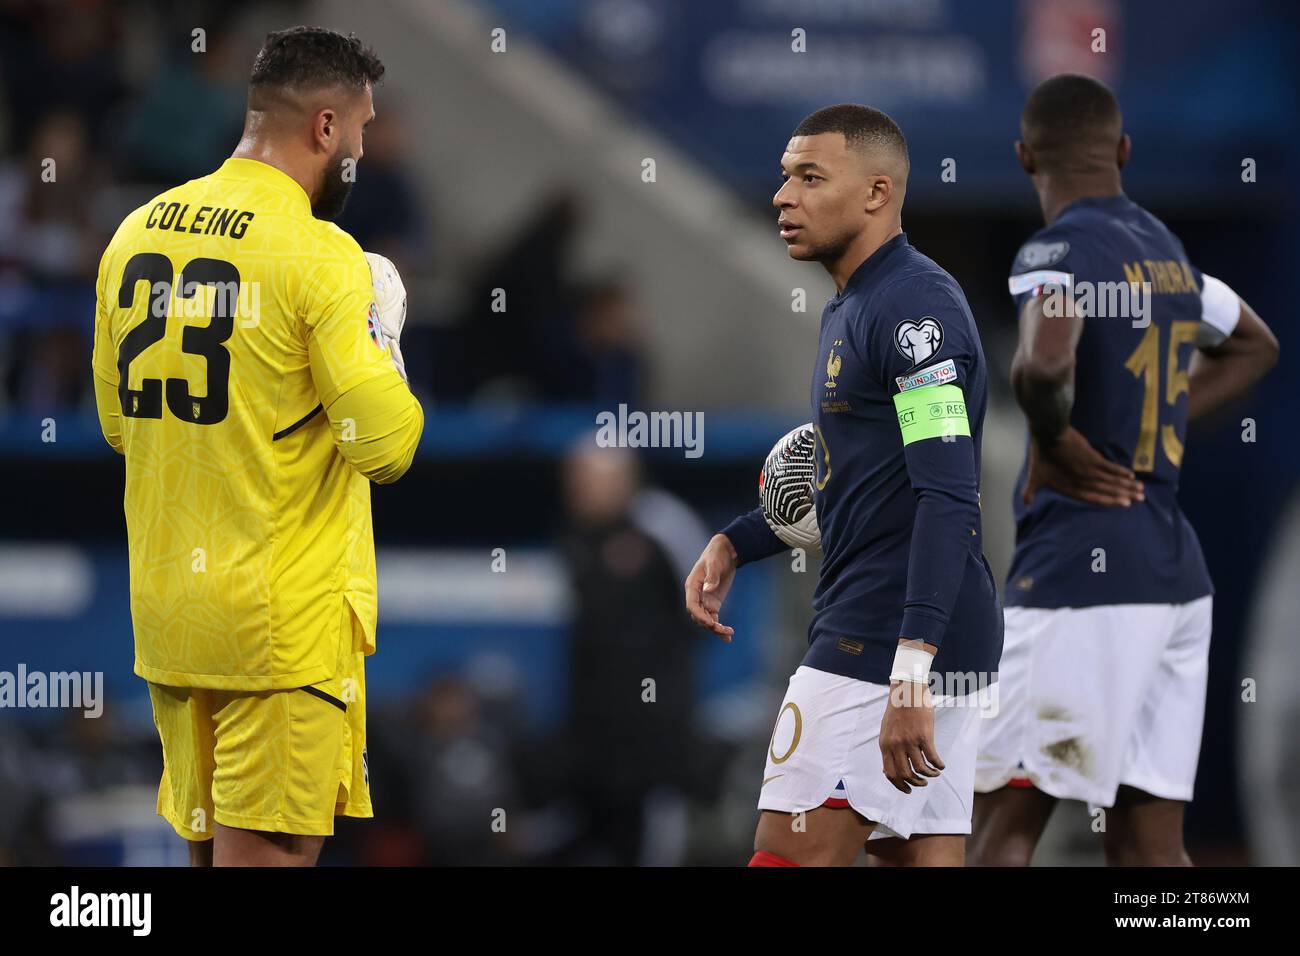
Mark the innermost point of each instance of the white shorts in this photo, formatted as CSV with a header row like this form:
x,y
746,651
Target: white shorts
x,y
825,750
1095,697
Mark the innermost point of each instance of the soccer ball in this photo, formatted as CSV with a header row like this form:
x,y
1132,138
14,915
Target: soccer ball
x,y
785,489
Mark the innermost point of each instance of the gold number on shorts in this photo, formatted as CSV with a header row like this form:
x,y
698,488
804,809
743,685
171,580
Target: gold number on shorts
x,y
798,732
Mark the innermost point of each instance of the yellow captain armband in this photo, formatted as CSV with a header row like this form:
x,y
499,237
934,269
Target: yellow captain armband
x,y
938,411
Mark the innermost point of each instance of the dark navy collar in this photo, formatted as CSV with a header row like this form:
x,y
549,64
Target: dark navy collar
x,y
1097,202
870,266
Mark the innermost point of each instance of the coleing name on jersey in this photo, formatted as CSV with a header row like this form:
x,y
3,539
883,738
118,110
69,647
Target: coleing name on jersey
x,y
206,220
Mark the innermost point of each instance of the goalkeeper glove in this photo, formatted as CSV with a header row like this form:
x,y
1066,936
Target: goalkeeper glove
x,y
390,300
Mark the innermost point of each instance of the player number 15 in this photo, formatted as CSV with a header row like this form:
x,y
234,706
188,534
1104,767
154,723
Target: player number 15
x,y
1144,363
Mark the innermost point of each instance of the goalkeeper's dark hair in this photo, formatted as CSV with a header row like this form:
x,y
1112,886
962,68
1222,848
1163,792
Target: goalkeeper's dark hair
x,y
1072,123
306,58
864,128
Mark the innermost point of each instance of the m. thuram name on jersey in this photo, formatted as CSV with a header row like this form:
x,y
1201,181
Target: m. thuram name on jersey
x,y
74,908
1129,298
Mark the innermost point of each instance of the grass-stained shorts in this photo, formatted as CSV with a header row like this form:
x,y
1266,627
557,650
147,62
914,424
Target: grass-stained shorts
x,y
282,761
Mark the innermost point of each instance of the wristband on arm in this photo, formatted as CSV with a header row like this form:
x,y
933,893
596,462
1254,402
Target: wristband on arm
x,y
911,664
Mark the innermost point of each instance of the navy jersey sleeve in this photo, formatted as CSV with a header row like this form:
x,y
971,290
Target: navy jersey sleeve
x,y
752,538
1045,260
924,346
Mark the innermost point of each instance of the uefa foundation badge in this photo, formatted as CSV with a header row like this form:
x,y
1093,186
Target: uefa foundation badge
x,y
372,323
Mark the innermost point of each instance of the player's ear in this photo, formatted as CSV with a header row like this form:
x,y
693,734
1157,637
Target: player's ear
x,y
1124,150
325,129
1025,157
880,189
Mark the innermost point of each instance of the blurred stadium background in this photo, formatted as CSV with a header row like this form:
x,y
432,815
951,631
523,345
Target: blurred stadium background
x,y
522,170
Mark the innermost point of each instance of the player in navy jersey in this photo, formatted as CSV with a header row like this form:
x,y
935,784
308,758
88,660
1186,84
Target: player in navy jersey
x,y
861,747
1122,342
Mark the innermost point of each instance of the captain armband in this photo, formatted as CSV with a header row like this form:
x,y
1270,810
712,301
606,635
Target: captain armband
x,y
935,412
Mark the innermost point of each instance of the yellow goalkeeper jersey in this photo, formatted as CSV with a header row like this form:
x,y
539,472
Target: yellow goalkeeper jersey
x,y
240,367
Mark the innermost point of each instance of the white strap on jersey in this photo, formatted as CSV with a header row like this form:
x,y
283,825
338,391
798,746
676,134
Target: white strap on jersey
x,y
1220,310
1035,280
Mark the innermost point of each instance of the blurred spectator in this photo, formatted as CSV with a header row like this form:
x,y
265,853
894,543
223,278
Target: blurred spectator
x,y
95,754
631,672
59,57
556,339
459,775
24,838
49,252
385,212
608,365
45,200
191,116
77,790
524,346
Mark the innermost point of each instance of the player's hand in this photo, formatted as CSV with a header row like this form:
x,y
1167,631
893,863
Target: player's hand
x,y
1076,469
708,583
907,736
390,300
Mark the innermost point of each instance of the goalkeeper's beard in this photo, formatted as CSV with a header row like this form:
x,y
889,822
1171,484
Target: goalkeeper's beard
x,y
334,191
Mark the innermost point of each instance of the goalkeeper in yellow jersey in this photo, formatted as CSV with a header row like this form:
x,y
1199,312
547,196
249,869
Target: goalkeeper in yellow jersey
x,y
246,364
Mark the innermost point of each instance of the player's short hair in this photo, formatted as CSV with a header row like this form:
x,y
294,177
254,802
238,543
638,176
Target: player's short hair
x,y
1067,117
864,128
305,58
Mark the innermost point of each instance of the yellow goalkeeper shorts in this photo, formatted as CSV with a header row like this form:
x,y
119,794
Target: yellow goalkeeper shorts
x,y
283,761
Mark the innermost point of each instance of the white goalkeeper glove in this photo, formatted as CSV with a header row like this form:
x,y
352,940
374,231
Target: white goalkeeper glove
x,y
390,300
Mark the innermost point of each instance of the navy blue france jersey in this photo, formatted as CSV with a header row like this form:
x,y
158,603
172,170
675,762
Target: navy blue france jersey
x,y
898,401
1130,402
